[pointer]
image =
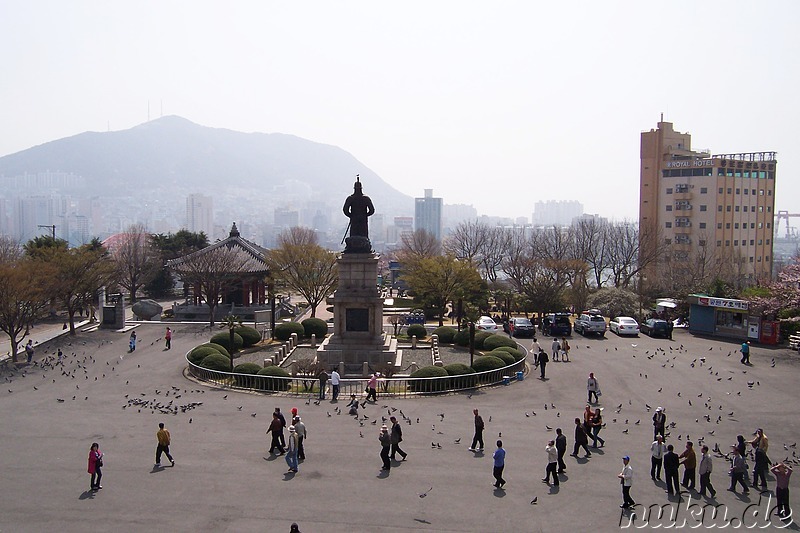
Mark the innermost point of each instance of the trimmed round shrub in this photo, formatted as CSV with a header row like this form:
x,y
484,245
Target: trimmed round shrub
x,y
417,330
247,368
480,337
315,326
284,330
460,374
268,383
507,358
517,353
197,355
250,336
496,341
457,369
216,361
218,347
461,338
446,334
224,339
487,362
435,385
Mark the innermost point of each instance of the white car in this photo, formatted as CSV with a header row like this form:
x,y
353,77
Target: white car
x,y
624,325
485,323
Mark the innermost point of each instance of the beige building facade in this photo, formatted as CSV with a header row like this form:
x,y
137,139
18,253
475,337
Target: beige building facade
x,y
704,211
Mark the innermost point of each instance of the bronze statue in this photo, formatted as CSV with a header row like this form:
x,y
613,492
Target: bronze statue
x,y
357,208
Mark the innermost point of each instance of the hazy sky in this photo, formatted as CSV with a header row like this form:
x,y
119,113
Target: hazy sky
x,y
495,104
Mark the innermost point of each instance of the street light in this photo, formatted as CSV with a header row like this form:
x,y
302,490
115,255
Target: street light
x,y
471,342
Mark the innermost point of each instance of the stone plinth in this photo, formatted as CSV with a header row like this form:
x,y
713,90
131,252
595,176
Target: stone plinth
x,y
358,335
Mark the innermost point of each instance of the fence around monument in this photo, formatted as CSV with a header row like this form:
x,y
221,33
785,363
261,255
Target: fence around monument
x,y
392,386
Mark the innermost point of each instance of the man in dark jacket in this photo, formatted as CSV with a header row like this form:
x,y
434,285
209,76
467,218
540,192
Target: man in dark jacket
x,y
542,359
671,462
689,465
478,438
561,446
581,439
397,438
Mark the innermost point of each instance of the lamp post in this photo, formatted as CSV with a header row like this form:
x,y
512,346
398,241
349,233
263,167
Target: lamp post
x,y
471,342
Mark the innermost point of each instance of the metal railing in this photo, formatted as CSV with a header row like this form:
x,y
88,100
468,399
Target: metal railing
x,y
392,386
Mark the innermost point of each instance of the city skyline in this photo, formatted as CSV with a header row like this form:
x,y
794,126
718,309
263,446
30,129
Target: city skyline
x,y
466,99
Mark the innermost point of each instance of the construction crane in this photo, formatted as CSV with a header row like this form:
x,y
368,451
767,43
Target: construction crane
x,y
785,215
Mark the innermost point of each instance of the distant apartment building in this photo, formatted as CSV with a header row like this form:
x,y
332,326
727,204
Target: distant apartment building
x,y
33,212
286,218
455,214
428,214
394,233
200,214
556,212
693,202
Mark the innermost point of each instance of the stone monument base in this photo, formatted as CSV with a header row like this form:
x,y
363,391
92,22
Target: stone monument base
x,y
375,353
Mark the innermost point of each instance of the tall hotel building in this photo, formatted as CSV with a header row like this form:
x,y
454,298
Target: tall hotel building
x,y
692,202
200,214
428,214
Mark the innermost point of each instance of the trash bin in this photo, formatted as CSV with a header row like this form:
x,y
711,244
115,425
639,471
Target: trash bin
x,y
506,380
520,376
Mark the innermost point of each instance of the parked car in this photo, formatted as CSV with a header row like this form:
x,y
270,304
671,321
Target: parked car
x,y
591,323
486,323
557,325
521,327
655,327
624,325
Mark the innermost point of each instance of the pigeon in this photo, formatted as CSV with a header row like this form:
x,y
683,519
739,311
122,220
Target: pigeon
x,y
240,407
190,420
457,440
535,500
253,414
422,495
224,397
548,427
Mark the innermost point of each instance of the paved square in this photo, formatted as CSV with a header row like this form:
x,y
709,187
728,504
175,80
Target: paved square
x,y
224,480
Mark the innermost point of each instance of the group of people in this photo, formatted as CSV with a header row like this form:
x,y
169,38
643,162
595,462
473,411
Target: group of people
x,y
167,339
559,349
294,447
390,443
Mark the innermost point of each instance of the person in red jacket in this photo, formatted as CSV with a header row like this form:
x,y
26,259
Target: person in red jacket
x,y
95,466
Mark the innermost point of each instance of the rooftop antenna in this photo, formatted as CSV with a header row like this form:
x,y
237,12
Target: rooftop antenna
x,y
662,117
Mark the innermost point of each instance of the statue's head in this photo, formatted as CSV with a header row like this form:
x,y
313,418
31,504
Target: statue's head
x,y
357,187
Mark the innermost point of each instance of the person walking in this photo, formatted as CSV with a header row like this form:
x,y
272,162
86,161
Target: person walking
x,y
163,437
659,422
565,349
671,462
283,425
335,380
132,342
535,347
597,424
478,437
689,465
386,442
626,480
555,348
745,349
592,386
738,471
705,473
552,463
302,434
291,450
323,382
29,350
95,467
760,467
657,450
542,359
499,457
782,473
372,388
276,428
168,338
581,440
561,446
397,438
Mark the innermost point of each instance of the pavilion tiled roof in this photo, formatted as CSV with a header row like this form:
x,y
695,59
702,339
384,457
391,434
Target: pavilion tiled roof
x,y
254,254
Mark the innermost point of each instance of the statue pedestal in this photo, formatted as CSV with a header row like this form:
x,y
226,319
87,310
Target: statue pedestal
x,y
358,335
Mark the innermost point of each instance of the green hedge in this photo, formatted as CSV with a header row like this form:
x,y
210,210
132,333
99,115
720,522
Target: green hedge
x,y
315,326
789,327
284,330
273,384
247,368
507,358
250,336
197,355
461,338
487,362
446,334
460,374
223,338
218,347
436,385
480,338
496,341
217,361
517,353
417,330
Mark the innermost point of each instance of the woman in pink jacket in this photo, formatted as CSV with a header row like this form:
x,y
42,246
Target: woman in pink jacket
x,y
372,388
95,466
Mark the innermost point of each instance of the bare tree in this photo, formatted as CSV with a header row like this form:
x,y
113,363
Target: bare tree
x,y
468,241
23,296
417,245
591,241
628,255
304,266
137,259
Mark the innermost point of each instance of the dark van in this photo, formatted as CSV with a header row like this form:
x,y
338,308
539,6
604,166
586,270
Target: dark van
x,y
556,325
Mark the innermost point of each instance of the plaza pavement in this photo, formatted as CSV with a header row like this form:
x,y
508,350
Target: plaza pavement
x,y
224,480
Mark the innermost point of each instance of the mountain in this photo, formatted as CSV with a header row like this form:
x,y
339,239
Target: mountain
x,y
175,154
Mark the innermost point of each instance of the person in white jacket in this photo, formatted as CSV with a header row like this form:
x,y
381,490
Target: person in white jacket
x,y
626,480
552,463
592,386
705,473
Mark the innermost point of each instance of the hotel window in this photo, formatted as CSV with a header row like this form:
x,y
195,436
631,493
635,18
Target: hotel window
x,y
746,191
719,208
761,209
736,208
754,192
719,225
736,225
769,192
704,190
752,225
759,259
728,208
751,258
761,192
769,209
668,224
719,243
767,241
720,189
703,208
667,241
738,191
760,225
736,243
769,225
702,225
727,225
727,243
729,190
752,242
744,208
760,242
669,190
669,208
766,258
